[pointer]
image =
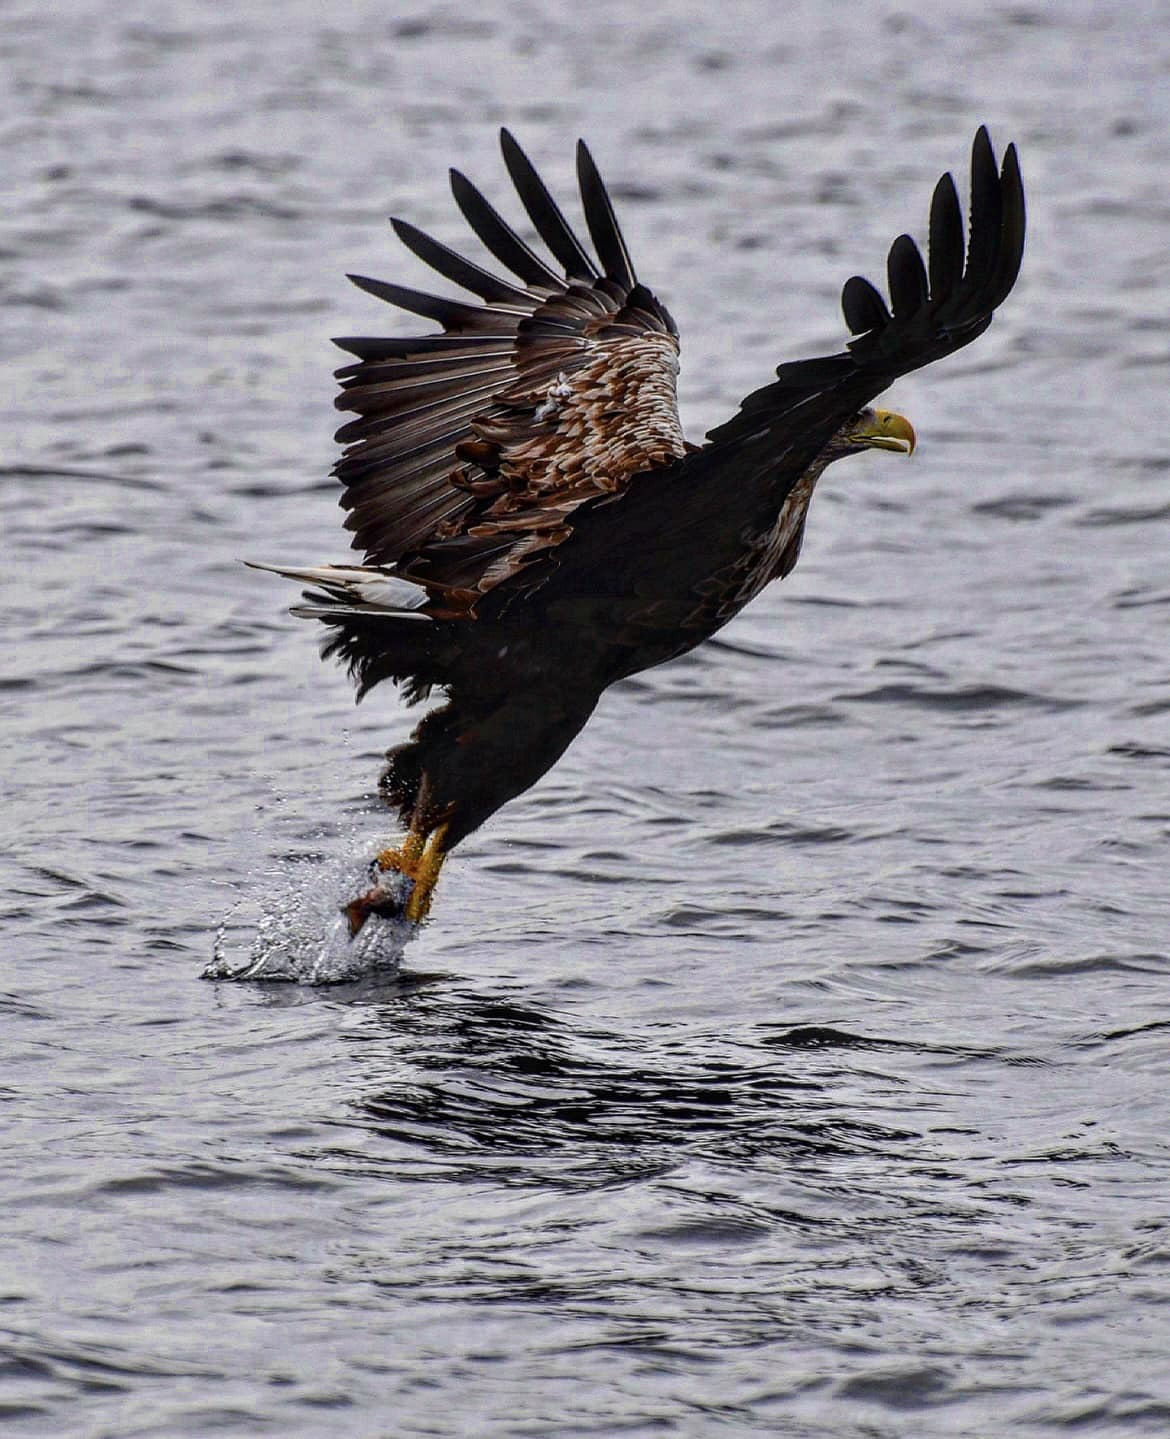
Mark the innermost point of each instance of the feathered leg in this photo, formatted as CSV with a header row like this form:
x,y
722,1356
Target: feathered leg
x,y
461,764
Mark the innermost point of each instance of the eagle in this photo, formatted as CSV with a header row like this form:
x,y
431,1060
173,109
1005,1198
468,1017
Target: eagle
x,y
533,525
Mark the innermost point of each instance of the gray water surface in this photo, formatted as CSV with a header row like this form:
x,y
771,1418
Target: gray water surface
x,y
793,1059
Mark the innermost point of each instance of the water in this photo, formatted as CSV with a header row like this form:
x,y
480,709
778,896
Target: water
x,y
290,927
793,1060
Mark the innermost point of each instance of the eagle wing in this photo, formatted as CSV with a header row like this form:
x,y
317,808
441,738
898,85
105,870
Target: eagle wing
x,y
936,307
681,550
472,450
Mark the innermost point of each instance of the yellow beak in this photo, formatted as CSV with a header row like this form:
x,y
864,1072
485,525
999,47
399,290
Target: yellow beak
x,y
885,430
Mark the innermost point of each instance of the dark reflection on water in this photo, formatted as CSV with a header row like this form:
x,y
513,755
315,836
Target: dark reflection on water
x,y
508,1086
794,1059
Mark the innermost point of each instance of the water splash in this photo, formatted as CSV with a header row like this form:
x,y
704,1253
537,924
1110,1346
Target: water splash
x,y
289,927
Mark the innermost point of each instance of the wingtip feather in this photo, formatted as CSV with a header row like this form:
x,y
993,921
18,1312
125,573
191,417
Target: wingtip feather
x,y
601,219
545,214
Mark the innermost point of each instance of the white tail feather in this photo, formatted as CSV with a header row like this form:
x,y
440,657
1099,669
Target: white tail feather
x,y
342,612
355,587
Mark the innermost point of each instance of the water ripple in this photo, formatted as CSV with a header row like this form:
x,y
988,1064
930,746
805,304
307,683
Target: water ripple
x,y
793,1058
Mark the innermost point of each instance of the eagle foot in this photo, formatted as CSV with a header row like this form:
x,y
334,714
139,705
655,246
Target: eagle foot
x,y
378,899
426,876
419,859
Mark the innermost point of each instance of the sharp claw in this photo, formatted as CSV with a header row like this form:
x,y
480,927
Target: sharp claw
x,y
415,862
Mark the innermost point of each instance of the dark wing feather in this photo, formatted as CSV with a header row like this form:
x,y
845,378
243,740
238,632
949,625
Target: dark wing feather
x,y
1011,251
455,268
470,449
544,213
499,237
381,347
985,221
603,226
862,305
909,287
454,316
946,239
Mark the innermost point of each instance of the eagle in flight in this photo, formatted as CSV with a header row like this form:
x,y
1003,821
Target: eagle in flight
x,y
533,525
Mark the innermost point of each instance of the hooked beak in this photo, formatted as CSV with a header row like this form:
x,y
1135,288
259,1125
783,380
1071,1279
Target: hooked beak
x,y
885,430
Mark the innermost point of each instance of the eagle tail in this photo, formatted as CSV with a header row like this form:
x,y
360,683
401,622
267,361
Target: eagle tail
x,y
377,628
354,587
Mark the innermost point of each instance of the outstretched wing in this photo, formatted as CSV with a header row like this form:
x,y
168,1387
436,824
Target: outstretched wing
x,y
935,309
682,550
473,448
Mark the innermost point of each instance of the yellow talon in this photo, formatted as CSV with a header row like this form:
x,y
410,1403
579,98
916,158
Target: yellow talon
x,y
420,858
426,875
404,859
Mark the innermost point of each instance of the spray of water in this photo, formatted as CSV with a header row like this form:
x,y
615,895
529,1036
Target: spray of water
x,y
288,926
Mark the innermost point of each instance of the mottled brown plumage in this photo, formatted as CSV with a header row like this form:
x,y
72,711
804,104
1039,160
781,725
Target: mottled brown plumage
x,y
533,524
467,462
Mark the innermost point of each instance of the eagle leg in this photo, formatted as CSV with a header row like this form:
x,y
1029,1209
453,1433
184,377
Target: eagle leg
x,y
418,906
405,858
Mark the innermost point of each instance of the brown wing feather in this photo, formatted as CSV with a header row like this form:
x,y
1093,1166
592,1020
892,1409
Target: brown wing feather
x,y
471,450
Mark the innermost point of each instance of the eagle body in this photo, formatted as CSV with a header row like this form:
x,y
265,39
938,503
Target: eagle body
x,y
533,524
